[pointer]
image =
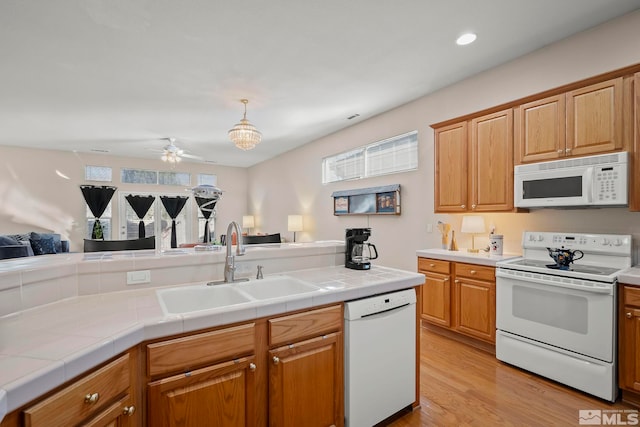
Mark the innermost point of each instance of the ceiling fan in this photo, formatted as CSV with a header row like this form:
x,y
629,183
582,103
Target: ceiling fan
x,y
171,153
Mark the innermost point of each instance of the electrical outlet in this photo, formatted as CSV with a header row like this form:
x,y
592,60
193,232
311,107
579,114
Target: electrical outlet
x,y
429,228
138,277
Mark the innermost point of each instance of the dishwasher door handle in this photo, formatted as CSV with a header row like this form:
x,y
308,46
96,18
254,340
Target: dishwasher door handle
x,y
384,313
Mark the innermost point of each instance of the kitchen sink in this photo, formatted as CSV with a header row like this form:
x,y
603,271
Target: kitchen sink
x,y
200,297
275,287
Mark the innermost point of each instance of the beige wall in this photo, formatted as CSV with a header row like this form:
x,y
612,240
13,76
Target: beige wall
x,y
33,197
291,183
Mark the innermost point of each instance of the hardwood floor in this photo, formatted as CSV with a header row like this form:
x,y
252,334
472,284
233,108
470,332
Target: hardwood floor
x,y
464,386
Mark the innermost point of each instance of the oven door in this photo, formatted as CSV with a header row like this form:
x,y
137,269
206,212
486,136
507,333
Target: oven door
x,y
571,314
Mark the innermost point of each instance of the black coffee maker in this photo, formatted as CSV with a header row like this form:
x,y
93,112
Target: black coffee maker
x,y
358,253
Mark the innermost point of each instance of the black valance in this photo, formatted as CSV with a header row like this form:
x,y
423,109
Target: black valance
x,y
97,198
140,205
173,206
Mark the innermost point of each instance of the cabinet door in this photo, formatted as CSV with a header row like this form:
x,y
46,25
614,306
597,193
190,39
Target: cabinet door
x,y
306,383
540,130
594,118
475,303
451,168
492,162
630,345
218,395
436,299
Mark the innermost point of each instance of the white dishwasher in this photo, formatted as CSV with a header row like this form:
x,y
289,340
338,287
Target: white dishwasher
x,y
380,357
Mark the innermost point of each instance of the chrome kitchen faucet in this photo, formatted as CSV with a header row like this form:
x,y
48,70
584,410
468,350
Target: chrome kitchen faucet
x,y
229,263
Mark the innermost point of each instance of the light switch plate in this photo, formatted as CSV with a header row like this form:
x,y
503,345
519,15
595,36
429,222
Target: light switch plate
x,y
138,277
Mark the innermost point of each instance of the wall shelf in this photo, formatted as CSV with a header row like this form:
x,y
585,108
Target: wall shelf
x,y
384,200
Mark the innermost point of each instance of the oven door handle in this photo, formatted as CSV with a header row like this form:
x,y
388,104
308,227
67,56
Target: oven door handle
x,y
569,283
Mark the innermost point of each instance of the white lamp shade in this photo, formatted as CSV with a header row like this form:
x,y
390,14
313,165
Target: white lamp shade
x,y
248,221
295,223
472,224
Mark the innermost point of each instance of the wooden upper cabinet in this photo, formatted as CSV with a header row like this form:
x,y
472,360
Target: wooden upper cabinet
x,y
539,130
594,118
491,165
451,168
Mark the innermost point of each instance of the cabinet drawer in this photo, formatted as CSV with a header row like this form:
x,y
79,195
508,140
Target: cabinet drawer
x,y
434,265
186,353
473,271
287,329
71,405
631,296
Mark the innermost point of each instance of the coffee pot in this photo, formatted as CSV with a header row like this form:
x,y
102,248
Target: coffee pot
x,y
564,257
359,252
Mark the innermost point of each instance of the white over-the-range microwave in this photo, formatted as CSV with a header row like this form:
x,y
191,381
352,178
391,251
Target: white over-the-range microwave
x,y
593,181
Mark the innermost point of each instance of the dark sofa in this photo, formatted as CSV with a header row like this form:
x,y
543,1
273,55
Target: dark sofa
x,y
31,244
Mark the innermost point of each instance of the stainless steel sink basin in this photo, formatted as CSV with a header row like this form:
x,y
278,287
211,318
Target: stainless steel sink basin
x,y
275,287
200,297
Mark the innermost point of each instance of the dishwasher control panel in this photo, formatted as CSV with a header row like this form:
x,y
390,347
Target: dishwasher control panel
x,y
378,304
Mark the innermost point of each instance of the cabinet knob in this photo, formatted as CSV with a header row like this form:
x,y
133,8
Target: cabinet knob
x,y
629,315
568,150
463,206
560,151
128,410
472,272
91,398
446,279
252,366
432,265
456,281
276,360
473,206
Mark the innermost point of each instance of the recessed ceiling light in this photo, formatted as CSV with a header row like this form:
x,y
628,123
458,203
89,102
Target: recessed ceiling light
x,y
466,39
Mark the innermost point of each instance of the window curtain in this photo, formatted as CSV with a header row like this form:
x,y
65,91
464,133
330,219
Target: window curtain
x,y
207,206
140,205
173,206
97,198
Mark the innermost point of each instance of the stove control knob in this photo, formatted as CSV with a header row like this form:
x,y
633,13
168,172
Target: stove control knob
x,y
605,241
617,242
540,238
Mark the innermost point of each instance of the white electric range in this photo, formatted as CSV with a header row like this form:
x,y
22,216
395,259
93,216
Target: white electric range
x,y
561,322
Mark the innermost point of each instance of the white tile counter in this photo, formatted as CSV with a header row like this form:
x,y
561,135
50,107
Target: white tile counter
x,y
481,258
630,276
48,345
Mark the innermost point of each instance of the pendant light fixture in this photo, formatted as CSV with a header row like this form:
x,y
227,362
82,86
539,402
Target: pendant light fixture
x,y
244,135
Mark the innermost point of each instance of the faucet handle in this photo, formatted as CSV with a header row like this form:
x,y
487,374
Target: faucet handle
x,y
259,275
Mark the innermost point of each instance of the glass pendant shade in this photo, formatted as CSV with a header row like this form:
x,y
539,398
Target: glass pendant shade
x,y
244,135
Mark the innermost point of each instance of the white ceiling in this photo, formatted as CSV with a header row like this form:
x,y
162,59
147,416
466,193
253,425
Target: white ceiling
x,y
119,75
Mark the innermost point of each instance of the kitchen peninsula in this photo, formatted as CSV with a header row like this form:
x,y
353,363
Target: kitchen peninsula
x,y
78,321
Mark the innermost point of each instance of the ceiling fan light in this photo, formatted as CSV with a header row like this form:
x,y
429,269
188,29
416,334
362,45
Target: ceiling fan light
x,y
245,135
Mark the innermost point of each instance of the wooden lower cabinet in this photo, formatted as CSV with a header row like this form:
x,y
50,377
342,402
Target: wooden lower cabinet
x,y
282,371
469,306
629,343
304,383
218,395
106,396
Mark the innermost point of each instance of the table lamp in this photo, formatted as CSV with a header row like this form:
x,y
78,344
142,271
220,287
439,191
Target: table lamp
x,y
294,224
248,222
473,225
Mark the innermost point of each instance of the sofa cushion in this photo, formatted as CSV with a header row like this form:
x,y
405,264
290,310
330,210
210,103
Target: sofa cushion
x,y
42,244
23,237
15,251
8,241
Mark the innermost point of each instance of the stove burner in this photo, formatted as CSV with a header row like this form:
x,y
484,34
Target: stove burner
x,y
559,267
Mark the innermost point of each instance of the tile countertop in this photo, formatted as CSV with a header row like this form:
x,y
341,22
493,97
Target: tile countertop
x,y
630,276
46,346
481,258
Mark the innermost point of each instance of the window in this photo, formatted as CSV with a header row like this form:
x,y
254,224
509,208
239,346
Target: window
x,y
174,178
207,179
392,155
161,228
138,176
97,173
105,222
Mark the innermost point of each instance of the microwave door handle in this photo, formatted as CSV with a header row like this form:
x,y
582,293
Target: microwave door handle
x,y
589,184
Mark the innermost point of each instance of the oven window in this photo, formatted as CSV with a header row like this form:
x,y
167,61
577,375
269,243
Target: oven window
x,y
570,186
567,312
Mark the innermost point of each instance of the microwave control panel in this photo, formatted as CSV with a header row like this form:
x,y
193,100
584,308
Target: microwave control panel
x,y
608,185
